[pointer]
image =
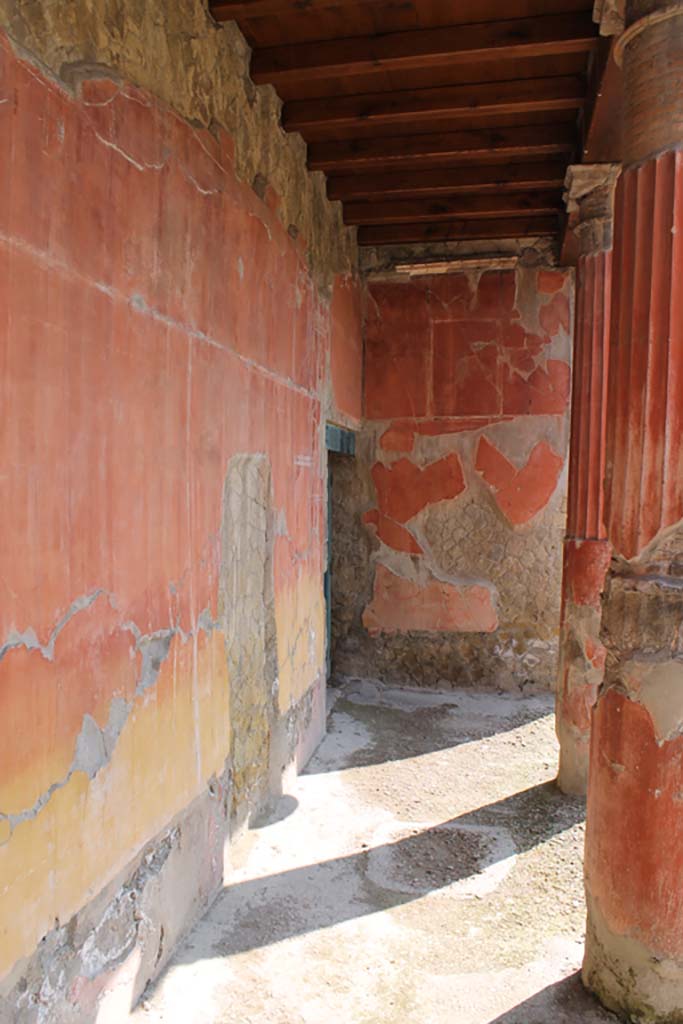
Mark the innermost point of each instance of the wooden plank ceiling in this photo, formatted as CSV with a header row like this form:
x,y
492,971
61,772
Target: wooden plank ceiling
x,y
432,119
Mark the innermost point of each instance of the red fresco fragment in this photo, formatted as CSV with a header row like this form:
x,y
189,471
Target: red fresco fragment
x,y
496,294
436,348
577,703
466,369
391,533
493,466
595,652
346,347
555,315
585,566
399,437
396,358
513,335
550,281
449,296
543,392
399,605
404,489
523,361
535,343
522,496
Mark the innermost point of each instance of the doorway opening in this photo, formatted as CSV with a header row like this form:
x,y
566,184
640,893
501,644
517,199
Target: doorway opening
x,y
341,446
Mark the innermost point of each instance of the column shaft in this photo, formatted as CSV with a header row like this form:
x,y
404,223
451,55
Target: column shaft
x,y
634,832
586,549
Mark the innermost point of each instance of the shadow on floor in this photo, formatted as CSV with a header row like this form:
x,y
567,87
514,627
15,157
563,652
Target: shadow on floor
x,y
257,913
398,733
565,1002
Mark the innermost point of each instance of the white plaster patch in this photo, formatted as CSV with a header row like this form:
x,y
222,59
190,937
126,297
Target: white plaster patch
x,y
661,692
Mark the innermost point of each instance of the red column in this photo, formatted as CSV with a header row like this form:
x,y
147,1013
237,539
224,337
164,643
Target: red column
x,y
634,832
590,201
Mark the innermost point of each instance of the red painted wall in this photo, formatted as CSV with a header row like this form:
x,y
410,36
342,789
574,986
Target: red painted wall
x,y
346,352
467,383
155,320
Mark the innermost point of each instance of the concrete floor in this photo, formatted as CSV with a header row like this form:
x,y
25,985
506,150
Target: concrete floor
x,y
424,870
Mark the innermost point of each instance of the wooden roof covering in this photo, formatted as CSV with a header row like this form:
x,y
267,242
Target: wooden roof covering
x,y
432,119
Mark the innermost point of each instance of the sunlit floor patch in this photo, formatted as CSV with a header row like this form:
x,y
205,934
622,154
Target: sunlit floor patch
x,y
451,859
429,874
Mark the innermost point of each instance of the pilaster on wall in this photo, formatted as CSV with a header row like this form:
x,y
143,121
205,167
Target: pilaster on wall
x,y
590,199
634,837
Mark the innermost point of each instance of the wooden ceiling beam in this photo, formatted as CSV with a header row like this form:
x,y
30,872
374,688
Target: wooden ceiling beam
x,y
449,181
230,10
461,122
458,230
489,10
453,147
564,92
398,51
461,207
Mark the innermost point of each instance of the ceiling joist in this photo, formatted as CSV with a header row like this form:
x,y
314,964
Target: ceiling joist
x,y
448,181
434,121
452,147
457,230
464,207
400,51
402,108
231,10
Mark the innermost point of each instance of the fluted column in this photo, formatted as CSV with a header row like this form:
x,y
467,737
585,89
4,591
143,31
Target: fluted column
x,y
590,201
634,832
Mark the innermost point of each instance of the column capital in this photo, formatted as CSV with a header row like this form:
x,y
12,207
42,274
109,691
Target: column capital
x,y
589,198
609,15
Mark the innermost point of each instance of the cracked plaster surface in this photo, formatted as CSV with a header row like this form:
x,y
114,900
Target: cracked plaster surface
x,y
201,70
94,745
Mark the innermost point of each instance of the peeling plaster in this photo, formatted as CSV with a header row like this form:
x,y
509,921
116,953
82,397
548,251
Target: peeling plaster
x,y
659,688
95,746
28,639
127,41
